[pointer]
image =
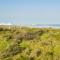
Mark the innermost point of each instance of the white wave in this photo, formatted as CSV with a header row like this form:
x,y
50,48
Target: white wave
x,y
5,24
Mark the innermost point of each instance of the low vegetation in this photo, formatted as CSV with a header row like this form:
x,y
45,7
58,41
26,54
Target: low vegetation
x,y
23,43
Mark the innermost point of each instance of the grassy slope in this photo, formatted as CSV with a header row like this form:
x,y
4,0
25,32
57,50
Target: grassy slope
x,y
29,43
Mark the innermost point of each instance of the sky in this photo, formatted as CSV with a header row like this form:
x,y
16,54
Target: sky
x,y
30,11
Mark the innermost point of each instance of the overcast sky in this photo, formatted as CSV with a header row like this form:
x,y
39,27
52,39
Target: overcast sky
x,y
30,11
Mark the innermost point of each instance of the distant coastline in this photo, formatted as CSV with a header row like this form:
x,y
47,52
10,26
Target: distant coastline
x,y
32,25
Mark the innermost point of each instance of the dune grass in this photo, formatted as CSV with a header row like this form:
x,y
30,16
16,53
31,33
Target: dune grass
x,y
29,43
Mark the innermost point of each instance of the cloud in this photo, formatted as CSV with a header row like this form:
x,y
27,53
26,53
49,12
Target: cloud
x,y
8,17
